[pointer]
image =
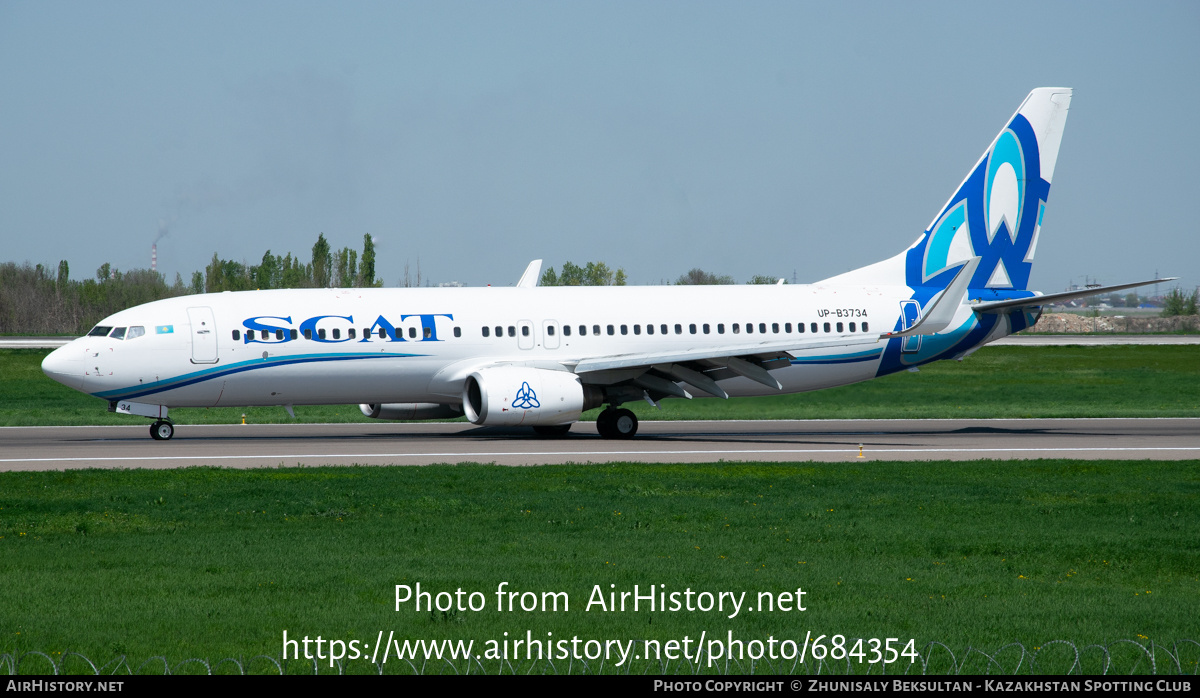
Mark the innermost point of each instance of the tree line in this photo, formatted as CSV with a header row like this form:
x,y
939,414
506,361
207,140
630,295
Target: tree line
x,y
35,300
599,274
340,269
1176,303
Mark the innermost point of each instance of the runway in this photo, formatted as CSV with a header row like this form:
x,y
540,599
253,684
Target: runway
x,y
241,446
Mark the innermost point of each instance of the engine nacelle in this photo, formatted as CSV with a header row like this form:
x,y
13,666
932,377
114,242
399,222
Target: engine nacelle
x,y
516,396
409,411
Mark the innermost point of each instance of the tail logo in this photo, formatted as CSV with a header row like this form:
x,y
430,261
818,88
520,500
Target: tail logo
x,y
996,214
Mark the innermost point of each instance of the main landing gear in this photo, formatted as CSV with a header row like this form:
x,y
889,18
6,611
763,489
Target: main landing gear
x,y
162,430
617,424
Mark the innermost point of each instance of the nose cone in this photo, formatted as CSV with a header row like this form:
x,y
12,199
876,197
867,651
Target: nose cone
x,y
65,365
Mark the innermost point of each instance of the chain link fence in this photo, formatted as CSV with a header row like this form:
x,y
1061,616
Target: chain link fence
x,y
1057,657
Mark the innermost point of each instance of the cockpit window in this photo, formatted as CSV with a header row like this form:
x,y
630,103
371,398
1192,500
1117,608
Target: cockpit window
x,y
118,333
100,331
135,332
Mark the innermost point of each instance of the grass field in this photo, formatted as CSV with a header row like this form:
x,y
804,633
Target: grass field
x,y
1103,381
212,563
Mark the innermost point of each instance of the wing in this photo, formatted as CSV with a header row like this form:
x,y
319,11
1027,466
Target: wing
x,y
658,373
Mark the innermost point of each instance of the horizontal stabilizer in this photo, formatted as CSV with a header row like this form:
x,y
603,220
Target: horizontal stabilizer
x,y
1039,301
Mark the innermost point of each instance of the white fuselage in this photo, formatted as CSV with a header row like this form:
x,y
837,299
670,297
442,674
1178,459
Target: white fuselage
x,y
323,346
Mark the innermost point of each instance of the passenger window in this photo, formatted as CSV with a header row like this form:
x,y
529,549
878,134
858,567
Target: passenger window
x,y
550,330
624,329
337,334
637,329
308,334
350,333
135,332
321,334
827,327
839,327
412,333
852,327
583,330
720,328
678,329
486,331
428,332
382,333
705,328
566,330
649,329
118,333
762,327
293,334
611,331
512,331
800,327
499,331
813,327
663,329
787,327
279,334
457,331
736,328
524,330
775,327
865,327
99,331
749,328
692,328
238,335
596,330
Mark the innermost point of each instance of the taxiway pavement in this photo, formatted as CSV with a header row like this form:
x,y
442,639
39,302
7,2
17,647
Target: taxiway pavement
x,y
246,446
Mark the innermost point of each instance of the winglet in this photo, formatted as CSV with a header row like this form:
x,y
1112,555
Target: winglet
x,y
532,274
939,315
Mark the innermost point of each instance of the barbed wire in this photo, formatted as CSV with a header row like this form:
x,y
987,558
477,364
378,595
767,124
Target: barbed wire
x,y
1061,657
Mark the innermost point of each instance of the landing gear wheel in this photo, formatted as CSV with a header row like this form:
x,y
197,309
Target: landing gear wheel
x,y
162,431
617,424
552,430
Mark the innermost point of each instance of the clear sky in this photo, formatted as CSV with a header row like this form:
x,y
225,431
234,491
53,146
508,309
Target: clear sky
x,y
740,137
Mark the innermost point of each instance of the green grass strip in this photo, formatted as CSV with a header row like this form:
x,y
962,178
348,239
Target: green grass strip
x,y
208,562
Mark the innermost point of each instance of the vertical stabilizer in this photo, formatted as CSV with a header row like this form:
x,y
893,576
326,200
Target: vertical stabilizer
x,y
995,214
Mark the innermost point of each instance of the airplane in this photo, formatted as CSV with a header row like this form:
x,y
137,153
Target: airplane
x,y
541,356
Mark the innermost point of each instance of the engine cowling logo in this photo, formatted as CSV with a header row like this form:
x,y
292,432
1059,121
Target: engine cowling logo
x,y
525,398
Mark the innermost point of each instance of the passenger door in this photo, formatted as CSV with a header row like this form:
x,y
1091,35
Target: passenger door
x,y
910,311
204,335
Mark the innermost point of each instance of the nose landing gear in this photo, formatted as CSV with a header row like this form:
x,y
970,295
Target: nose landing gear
x,y
162,430
617,424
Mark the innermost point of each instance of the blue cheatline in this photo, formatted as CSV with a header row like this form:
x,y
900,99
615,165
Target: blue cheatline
x,y
143,390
